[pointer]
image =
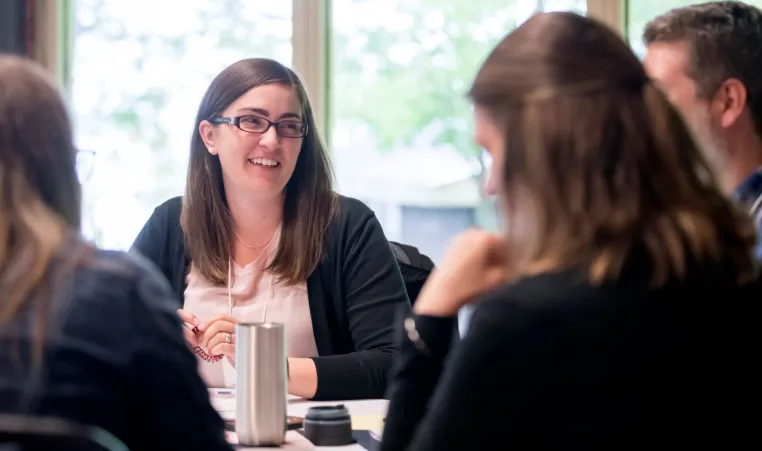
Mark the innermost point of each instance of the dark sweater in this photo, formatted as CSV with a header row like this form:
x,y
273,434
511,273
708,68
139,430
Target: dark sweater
x,y
354,295
552,363
115,357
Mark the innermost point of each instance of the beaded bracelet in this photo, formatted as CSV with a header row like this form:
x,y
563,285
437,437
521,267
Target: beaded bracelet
x,y
203,354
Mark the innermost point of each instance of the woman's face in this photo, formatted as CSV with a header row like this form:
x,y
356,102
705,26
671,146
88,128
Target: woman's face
x,y
258,163
488,136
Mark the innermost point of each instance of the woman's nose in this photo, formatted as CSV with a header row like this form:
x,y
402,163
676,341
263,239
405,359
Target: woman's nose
x,y
270,138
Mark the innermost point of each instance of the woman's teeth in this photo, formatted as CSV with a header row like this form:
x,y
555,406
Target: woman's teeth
x,y
263,162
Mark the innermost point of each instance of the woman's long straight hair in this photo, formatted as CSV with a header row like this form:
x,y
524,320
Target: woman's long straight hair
x,y
39,190
310,202
598,162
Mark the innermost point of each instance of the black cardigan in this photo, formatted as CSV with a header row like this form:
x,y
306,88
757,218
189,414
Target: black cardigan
x,y
354,295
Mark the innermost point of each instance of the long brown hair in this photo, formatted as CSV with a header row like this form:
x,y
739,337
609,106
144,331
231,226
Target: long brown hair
x,y
39,190
310,202
597,161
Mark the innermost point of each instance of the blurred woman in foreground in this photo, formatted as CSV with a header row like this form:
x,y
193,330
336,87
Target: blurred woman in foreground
x,y
619,307
85,335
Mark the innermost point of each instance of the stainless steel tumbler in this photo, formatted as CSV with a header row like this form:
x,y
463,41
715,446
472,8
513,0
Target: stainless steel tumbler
x,y
261,384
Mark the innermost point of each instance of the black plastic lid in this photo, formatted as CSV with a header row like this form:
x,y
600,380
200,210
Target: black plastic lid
x,y
327,413
328,426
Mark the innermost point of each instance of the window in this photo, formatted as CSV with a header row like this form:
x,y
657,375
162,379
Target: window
x,y
400,121
137,80
639,12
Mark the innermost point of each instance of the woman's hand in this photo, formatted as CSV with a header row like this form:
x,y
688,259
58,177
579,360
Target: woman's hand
x,y
219,336
475,262
189,318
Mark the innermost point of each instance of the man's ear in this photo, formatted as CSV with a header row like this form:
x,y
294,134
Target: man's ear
x,y
207,132
730,102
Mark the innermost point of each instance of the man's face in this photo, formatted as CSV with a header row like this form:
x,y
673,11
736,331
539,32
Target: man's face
x,y
666,64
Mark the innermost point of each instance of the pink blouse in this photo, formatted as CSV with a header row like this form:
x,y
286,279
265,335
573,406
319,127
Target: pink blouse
x,y
257,296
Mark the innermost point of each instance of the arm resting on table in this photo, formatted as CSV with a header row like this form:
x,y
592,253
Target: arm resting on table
x,y
374,293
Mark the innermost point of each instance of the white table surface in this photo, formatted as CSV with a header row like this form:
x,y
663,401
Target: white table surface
x,y
366,411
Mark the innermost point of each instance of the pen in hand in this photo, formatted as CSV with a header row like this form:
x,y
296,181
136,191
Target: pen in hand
x,y
196,348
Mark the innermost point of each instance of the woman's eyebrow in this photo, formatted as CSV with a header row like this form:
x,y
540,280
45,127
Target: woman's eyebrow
x,y
265,113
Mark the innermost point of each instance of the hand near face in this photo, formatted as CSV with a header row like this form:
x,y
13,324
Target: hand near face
x,y
476,261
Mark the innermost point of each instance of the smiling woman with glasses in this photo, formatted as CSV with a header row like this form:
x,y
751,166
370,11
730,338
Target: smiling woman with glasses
x,y
260,235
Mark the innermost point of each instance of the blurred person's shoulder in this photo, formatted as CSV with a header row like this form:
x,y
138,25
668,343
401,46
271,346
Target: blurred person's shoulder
x,y
117,280
530,297
568,294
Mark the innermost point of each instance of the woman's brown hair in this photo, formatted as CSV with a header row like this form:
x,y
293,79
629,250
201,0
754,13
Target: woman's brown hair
x,y
310,202
597,161
39,190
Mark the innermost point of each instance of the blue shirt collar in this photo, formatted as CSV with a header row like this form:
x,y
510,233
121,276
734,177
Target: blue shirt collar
x,y
750,189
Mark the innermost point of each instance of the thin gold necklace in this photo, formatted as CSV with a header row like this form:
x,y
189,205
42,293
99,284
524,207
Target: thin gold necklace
x,y
249,245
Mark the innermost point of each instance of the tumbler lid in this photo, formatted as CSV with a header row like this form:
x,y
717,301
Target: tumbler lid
x,y
328,413
328,426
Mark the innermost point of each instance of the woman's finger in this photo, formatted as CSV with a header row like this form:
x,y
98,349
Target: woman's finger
x,y
221,337
190,337
188,317
221,317
228,350
216,328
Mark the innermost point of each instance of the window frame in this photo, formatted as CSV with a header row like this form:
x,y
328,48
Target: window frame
x,y
311,41
311,31
53,38
611,12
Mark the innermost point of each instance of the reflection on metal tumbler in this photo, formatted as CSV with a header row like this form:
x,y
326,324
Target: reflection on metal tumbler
x,y
261,384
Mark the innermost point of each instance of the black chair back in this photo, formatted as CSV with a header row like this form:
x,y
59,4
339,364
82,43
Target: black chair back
x,y
415,268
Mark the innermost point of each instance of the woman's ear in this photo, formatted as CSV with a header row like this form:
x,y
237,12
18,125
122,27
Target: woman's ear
x,y
207,132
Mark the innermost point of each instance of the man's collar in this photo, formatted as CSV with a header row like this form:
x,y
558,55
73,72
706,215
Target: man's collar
x,y
750,189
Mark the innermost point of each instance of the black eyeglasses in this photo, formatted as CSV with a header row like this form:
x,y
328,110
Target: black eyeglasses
x,y
288,128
